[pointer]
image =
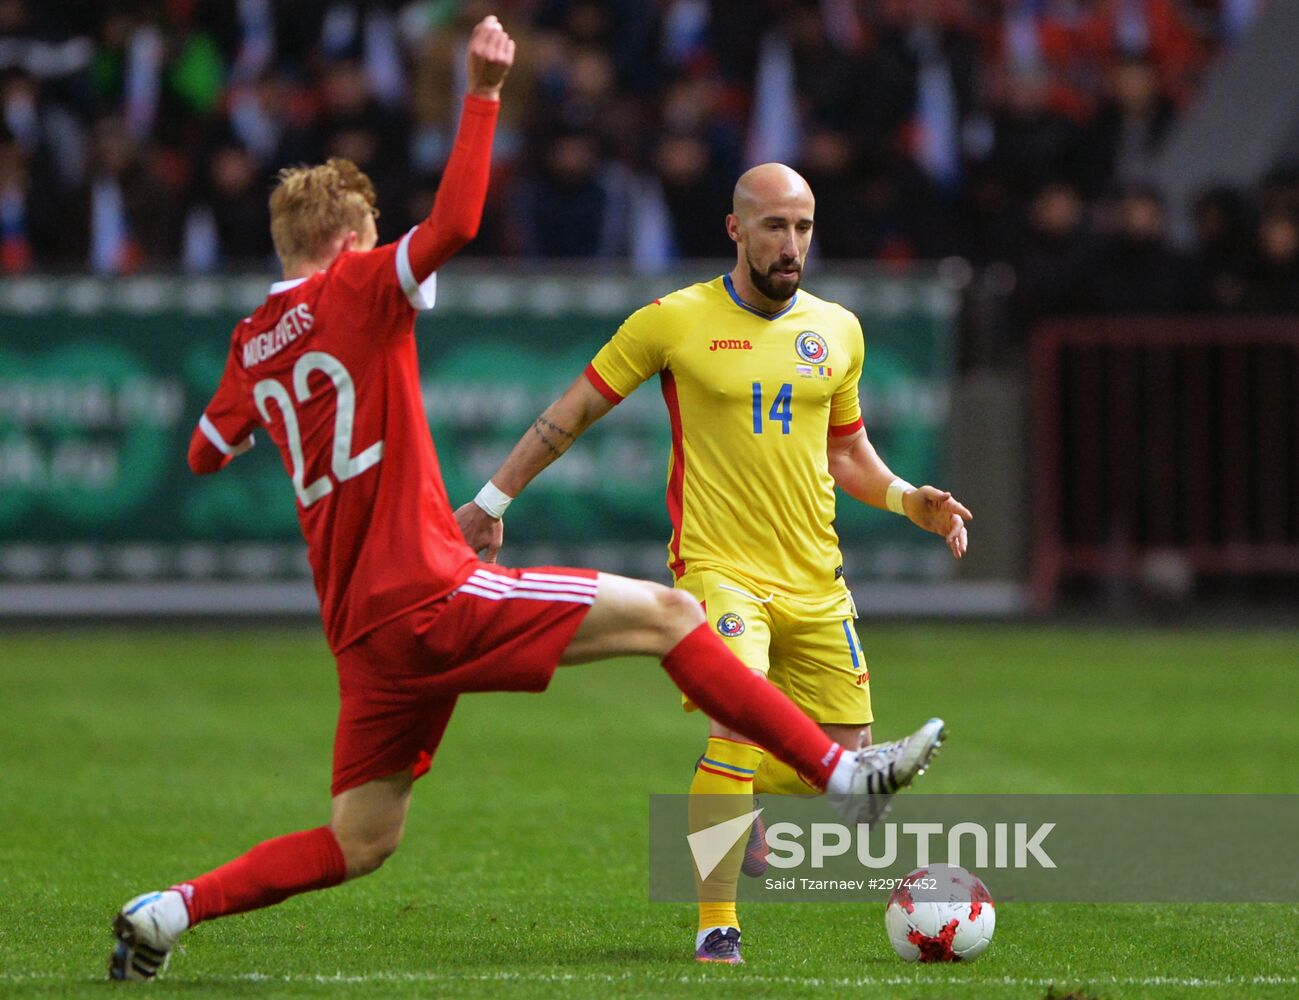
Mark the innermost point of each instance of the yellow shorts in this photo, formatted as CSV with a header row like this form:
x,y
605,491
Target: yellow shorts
x,y
807,647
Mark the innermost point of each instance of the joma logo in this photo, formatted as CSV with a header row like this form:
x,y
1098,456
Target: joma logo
x,y
730,345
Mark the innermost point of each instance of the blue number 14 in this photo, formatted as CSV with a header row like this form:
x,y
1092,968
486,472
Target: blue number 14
x,y
781,407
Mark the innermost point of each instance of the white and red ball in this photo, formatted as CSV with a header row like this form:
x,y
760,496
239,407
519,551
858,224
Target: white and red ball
x,y
940,914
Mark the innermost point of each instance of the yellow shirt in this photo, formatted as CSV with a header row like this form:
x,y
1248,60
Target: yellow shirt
x,y
751,398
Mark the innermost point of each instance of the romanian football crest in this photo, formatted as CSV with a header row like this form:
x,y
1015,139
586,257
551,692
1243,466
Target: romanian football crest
x,y
730,625
811,347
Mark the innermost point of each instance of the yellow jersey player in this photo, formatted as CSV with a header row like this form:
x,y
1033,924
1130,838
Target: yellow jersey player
x,y
760,379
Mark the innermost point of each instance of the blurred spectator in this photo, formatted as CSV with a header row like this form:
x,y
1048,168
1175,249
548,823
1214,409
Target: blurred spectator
x,y
696,161
436,36
1057,258
567,200
1138,273
1132,123
842,219
1157,29
354,124
1223,250
133,214
697,193
1032,140
237,195
1274,283
626,30
927,58
989,218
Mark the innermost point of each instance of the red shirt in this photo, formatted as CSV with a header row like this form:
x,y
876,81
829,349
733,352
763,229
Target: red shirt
x,y
327,366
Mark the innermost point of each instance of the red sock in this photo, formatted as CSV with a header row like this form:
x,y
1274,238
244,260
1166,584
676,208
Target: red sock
x,y
271,872
713,678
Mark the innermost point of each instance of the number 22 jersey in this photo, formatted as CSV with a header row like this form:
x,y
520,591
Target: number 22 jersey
x,y
327,365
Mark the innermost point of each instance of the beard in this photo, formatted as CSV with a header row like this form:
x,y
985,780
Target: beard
x,y
772,285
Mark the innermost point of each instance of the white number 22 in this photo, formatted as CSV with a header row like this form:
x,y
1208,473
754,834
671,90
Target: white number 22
x,y
345,465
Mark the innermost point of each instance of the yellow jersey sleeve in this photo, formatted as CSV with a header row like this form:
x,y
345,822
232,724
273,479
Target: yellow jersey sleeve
x,y
635,353
845,405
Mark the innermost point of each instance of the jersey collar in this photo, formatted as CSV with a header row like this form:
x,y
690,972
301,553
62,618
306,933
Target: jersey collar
x,y
730,290
284,286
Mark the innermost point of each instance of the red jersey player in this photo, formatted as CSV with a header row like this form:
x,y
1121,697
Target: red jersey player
x,y
327,368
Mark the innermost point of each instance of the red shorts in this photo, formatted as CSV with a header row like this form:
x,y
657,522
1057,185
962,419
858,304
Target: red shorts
x,y
502,630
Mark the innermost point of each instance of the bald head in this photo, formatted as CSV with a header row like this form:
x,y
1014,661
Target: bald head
x,y
769,186
771,225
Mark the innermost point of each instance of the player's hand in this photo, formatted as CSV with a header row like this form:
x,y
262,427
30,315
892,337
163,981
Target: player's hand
x,y
491,54
938,511
485,534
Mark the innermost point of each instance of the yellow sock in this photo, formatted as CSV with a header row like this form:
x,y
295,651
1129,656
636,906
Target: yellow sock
x,y
723,782
775,777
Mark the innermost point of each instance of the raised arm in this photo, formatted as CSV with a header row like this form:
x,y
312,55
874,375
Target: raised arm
x,y
550,436
858,470
458,207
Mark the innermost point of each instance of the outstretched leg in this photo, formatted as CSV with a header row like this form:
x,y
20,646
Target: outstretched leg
x,y
635,616
365,828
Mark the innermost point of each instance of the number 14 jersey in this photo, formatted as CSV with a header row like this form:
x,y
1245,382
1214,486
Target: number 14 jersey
x,y
751,399
327,365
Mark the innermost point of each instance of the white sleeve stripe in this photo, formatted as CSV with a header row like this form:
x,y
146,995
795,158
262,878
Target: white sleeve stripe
x,y
218,442
420,296
404,274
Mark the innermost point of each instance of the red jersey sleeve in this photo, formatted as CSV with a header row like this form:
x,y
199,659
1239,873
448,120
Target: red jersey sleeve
x,y
399,277
458,207
226,427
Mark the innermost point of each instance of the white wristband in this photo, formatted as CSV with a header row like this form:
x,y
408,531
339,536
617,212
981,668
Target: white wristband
x,y
492,501
893,496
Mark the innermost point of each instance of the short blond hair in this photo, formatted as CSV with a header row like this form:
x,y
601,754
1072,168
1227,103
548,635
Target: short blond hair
x,y
310,206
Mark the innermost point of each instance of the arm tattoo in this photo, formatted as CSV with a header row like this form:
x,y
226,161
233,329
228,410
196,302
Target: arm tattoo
x,y
556,448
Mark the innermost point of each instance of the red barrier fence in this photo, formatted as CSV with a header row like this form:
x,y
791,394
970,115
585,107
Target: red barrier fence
x,y
1169,438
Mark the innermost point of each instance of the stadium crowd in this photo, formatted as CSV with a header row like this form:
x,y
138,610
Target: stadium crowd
x,y
145,135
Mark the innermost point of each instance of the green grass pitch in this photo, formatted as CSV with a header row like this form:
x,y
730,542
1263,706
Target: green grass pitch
x,y
129,759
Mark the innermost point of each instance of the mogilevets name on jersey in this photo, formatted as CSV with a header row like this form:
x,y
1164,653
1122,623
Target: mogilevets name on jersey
x,y
291,326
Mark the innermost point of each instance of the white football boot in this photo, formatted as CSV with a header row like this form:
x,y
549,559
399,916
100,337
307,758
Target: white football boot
x,y
881,770
147,929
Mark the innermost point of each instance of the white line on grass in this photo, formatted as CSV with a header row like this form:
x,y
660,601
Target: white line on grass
x,y
739,979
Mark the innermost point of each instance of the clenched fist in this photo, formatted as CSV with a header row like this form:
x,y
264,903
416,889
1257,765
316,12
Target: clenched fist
x,y
491,54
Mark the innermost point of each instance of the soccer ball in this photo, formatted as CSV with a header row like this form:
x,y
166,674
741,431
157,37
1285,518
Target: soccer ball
x,y
940,914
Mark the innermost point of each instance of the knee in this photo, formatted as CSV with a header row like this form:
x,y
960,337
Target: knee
x,y
365,851
679,612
